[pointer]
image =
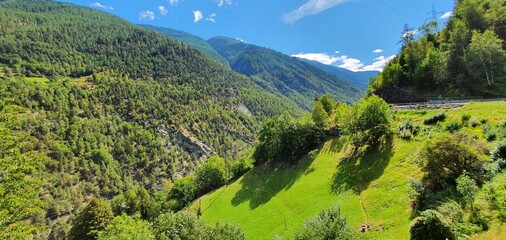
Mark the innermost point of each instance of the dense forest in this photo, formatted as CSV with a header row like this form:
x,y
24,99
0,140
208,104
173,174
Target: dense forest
x,y
192,40
279,73
92,105
466,58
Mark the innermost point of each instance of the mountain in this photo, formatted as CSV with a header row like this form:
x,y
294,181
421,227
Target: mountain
x,y
192,40
280,73
93,105
359,79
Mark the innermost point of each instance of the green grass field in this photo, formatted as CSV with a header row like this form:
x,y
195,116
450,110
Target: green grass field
x,y
369,188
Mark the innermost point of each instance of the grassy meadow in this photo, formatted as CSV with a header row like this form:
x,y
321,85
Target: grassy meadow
x,y
370,188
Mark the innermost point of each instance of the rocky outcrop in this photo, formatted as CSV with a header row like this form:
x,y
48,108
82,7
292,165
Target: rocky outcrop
x,y
394,95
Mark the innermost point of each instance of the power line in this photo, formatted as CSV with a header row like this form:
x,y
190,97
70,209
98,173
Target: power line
x,y
395,10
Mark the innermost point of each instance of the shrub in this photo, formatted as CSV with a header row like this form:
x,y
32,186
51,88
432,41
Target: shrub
x,y
446,157
431,225
439,117
128,228
328,225
408,129
452,126
465,118
474,123
240,167
184,191
210,175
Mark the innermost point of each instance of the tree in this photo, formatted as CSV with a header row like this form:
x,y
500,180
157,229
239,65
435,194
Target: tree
x,y
210,175
184,190
447,157
226,231
319,114
486,55
467,188
431,225
367,121
328,225
328,102
91,220
183,225
128,228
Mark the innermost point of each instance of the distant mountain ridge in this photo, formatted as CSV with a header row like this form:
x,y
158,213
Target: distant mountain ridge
x,y
278,72
190,39
360,79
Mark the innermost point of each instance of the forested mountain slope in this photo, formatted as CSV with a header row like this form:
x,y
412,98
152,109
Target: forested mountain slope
x,y
277,72
466,58
192,40
359,79
92,105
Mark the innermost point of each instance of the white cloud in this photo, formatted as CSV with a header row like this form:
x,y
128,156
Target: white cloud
x,y
352,64
146,15
319,57
163,10
446,15
378,51
224,3
173,2
197,15
211,18
99,5
312,7
378,64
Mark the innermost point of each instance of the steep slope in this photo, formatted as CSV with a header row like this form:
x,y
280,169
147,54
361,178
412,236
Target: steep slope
x,y
192,40
92,105
278,72
359,79
465,59
370,188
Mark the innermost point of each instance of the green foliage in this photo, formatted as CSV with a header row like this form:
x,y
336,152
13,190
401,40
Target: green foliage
x,y
226,231
212,174
319,114
452,126
466,58
328,225
91,220
439,117
495,193
467,188
182,225
431,225
127,228
408,129
184,191
367,121
277,72
284,139
447,157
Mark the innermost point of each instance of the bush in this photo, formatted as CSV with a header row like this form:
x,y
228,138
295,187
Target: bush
x,y
452,126
474,123
439,117
328,225
210,175
408,129
240,167
431,225
127,228
184,191
465,118
446,157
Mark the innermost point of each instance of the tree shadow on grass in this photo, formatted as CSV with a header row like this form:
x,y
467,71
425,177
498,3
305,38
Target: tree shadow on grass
x,y
361,168
264,182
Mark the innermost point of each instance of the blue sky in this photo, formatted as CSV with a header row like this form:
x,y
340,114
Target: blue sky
x,y
354,34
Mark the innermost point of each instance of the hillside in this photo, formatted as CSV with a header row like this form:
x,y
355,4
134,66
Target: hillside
x,y
465,59
192,40
359,79
93,105
370,189
280,73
